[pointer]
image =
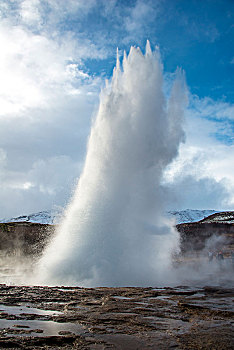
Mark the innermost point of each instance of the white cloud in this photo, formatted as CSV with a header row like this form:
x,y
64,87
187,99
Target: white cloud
x,y
207,107
205,161
134,20
48,182
42,153
34,14
30,12
187,191
139,17
79,7
46,105
35,69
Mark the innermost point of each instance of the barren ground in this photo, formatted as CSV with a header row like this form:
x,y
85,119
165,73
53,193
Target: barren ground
x,y
116,318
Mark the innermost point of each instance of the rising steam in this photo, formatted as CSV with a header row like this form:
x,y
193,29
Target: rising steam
x,y
114,232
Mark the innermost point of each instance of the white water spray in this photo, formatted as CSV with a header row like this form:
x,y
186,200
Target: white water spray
x,y
114,233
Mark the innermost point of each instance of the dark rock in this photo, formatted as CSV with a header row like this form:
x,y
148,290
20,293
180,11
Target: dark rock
x,y
24,238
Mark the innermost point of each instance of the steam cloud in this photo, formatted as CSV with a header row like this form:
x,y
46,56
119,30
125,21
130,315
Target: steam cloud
x,y
114,232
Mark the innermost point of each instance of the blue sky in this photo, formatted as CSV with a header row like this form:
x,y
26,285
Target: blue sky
x,y
55,56
196,35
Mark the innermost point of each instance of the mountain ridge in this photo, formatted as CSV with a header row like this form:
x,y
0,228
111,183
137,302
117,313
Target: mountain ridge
x,y
54,216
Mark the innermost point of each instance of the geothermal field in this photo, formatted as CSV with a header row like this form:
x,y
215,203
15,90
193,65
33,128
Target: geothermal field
x,y
117,272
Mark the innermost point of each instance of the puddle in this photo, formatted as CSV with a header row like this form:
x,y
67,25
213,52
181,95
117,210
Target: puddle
x,y
121,298
31,327
18,310
197,295
166,298
158,289
163,297
35,327
67,289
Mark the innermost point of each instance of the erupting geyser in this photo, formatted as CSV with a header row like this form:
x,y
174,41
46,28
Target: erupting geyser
x,y
114,233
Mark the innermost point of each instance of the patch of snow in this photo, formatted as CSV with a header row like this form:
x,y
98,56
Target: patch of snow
x,y
222,217
190,215
50,217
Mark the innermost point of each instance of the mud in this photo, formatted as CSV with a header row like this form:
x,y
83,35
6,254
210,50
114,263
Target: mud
x,y
116,318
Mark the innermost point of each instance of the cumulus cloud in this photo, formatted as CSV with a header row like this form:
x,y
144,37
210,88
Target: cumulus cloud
x,y
36,69
47,100
187,191
30,12
203,171
35,139
49,182
139,11
138,18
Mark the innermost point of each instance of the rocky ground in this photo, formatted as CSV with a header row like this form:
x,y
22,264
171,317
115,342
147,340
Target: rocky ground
x,y
116,318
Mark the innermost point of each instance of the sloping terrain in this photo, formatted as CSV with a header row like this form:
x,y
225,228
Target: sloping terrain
x,y
30,238
49,217
226,217
24,238
190,215
216,232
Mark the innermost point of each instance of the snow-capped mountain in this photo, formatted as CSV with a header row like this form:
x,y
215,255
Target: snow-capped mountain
x,y
190,215
225,217
55,215
43,217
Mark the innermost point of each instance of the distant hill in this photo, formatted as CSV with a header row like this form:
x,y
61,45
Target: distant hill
x,y
225,217
53,216
191,215
29,234
215,232
49,217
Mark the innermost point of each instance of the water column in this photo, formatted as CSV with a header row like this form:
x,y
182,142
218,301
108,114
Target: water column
x,y
114,232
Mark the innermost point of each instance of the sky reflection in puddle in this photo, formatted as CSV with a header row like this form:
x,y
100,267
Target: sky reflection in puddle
x,y
22,309
31,327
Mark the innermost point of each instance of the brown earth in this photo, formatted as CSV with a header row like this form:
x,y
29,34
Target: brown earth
x,y
30,238
195,236
24,237
116,318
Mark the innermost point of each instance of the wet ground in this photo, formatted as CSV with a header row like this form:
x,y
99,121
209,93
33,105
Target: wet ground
x,y
116,318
